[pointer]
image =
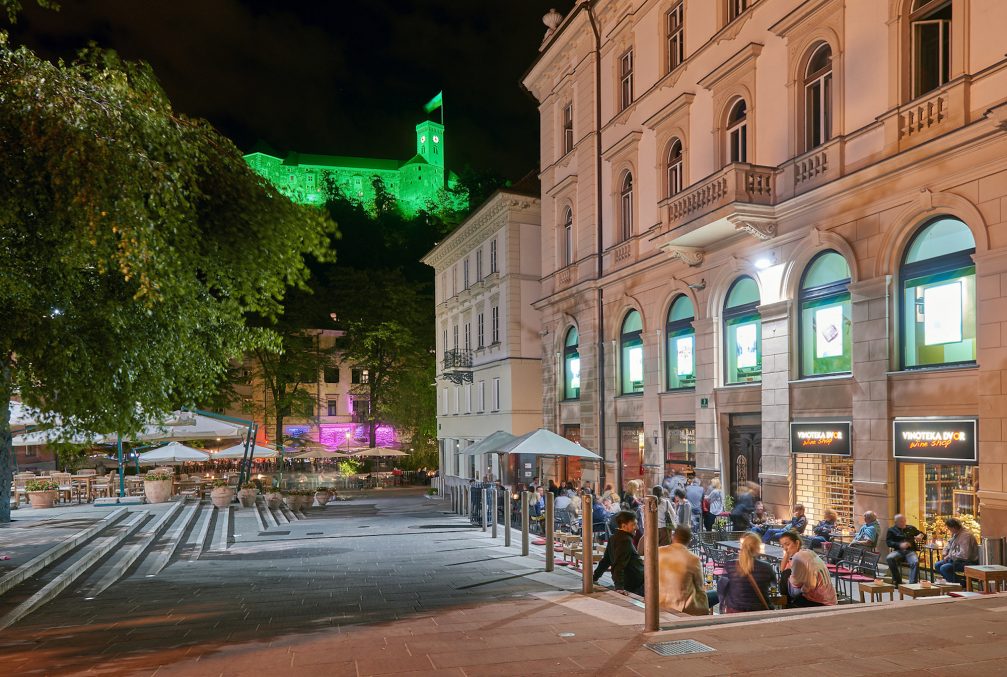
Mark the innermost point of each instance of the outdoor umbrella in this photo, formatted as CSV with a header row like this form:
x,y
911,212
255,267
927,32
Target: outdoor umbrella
x,y
173,453
319,453
186,426
490,444
22,415
543,442
237,452
379,452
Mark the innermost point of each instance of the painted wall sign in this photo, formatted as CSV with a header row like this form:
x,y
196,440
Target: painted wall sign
x,y
820,437
935,439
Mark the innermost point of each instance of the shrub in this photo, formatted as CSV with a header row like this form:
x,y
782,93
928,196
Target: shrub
x,y
41,485
157,476
249,485
324,489
219,483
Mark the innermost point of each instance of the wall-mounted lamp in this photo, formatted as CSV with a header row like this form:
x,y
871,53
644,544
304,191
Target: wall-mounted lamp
x,y
698,286
764,261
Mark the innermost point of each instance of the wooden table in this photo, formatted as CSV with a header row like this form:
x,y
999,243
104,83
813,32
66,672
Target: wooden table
x,y
990,575
948,587
770,551
915,590
83,481
876,591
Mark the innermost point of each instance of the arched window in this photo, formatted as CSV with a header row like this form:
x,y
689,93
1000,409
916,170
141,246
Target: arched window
x,y
938,280
568,237
818,97
743,332
571,365
631,342
930,36
826,316
674,167
626,207
737,132
681,344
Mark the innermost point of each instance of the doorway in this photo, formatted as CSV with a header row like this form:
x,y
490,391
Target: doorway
x,y
744,450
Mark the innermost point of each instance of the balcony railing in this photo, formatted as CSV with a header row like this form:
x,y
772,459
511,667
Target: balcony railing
x,y
458,365
737,182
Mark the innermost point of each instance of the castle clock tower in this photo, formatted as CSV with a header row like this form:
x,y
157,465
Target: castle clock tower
x,y
430,142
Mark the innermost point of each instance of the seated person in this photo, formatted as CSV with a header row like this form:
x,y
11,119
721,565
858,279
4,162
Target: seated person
x,y
745,585
867,534
804,579
538,504
682,584
760,518
798,522
825,529
599,516
621,556
901,540
962,550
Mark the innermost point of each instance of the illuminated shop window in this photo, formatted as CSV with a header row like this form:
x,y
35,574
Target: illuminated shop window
x,y
826,316
571,365
930,492
632,353
743,332
938,280
681,344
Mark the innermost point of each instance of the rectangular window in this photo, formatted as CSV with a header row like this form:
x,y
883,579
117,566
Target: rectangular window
x,y
496,394
931,54
676,36
468,399
826,481
332,408
454,280
744,356
332,374
940,318
736,7
679,448
357,376
445,344
465,274
930,492
480,331
493,256
458,398
682,359
567,128
444,401
479,264
468,336
495,325
481,397
626,80
631,446
826,339
455,337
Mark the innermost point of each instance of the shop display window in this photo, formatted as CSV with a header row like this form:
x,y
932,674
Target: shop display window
x,y
632,442
930,492
938,278
681,344
571,365
825,481
826,317
743,333
632,353
679,448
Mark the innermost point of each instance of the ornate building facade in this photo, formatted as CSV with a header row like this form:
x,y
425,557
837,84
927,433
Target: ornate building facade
x,y
774,247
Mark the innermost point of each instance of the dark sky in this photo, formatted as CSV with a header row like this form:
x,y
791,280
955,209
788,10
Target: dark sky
x,y
344,77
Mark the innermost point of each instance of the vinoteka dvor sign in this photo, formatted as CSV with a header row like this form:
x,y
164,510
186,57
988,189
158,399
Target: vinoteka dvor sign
x,y
929,440
820,437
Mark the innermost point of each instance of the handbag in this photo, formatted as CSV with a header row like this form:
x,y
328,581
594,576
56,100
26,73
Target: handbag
x,y
765,605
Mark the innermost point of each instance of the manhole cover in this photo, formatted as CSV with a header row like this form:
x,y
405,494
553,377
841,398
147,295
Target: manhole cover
x,y
274,533
679,647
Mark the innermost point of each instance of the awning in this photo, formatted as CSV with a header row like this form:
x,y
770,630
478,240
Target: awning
x,y
173,453
543,442
238,452
489,444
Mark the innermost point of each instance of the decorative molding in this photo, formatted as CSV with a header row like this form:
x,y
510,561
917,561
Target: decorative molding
x,y
803,15
731,30
738,61
622,147
690,256
762,230
998,116
926,199
678,105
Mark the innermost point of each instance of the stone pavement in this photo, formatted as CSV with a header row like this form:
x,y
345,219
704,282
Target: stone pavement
x,y
388,584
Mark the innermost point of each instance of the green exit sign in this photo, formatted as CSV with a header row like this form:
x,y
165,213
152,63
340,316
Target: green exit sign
x,y
704,402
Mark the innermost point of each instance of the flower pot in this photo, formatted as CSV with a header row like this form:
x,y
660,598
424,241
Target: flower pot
x,y
158,491
273,500
322,497
42,499
221,497
293,502
247,497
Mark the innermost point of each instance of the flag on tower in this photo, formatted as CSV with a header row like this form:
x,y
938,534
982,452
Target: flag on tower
x,y
434,103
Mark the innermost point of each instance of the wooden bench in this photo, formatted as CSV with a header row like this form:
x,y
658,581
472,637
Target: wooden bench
x,y
990,575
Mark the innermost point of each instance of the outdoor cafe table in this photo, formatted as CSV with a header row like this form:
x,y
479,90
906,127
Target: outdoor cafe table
x,y
770,551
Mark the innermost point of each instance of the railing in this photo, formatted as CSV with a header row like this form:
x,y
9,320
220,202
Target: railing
x,y
623,252
922,116
810,166
737,182
457,358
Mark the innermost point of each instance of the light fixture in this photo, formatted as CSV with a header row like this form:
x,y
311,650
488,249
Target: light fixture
x,y
763,262
698,286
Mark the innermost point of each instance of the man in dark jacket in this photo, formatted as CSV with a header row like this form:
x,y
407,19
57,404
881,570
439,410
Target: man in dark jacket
x,y
901,539
621,556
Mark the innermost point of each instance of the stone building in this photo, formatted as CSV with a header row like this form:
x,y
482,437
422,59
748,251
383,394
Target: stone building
x,y
486,276
774,244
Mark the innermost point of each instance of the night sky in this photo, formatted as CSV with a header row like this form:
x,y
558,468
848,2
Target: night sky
x,y
339,77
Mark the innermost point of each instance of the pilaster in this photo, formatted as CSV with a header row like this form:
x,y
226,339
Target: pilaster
x,y
776,342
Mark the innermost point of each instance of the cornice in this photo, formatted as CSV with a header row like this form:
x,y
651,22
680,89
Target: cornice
x,y
680,103
732,65
620,147
489,218
800,16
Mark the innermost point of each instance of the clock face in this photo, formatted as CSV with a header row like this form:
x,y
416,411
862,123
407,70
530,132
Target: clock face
x,y
436,139
423,139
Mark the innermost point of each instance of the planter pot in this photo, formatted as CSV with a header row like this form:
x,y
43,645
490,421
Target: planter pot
x,y
293,502
247,497
305,502
42,499
158,491
323,497
273,500
221,497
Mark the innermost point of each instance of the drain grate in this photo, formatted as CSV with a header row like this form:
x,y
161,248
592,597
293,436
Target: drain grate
x,y
679,647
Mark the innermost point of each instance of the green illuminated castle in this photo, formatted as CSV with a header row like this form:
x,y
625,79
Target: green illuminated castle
x,y
414,183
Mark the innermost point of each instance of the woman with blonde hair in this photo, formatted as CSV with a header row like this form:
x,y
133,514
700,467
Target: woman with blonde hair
x,y
825,529
713,504
745,586
632,500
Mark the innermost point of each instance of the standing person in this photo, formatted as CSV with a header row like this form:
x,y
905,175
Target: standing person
x,y
901,540
681,576
683,511
744,506
745,586
824,530
632,500
694,492
806,580
867,534
715,504
798,522
962,550
621,556
554,488
666,522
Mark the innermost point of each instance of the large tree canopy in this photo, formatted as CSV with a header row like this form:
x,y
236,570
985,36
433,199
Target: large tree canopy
x,y
133,243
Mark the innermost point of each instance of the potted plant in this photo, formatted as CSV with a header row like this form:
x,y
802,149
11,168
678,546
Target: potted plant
x,y
41,493
222,494
157,486
293,499
323,495
274,497
247,494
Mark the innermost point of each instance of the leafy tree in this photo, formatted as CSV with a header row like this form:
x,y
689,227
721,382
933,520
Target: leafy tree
x,y
134,241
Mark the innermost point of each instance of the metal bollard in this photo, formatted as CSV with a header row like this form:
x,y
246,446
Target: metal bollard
x,y
524,523
494,510
466,500
651,591
507,517
482,508
550,543
587,544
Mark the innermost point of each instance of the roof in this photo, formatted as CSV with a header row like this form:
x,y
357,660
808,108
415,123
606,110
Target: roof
x,y
308,159
416,160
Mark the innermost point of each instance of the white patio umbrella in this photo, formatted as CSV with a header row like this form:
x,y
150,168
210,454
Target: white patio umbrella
x,y
185,426
38,438
489,444
22,415
237,452
319,453
378,452
173,453
544,442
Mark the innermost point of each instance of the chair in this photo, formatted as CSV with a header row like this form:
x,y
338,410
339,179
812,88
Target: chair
x,y
89,472
834,555
66,486
863,571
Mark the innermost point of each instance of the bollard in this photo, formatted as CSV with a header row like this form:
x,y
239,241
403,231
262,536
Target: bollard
x,y
587,544
550,542
454,500
466,500
482,508
493,506
508,508
524,523
651,592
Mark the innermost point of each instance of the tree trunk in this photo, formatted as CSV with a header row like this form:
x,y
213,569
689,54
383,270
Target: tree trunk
x,y
6,444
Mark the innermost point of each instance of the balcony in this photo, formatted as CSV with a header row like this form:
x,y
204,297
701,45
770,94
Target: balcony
x,y
457,366
622,254
810,170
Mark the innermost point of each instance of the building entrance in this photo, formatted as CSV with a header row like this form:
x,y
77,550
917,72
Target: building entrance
x,y
745,451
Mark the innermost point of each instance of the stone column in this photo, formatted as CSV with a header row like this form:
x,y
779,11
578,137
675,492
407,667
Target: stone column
x,y
776,342
874,481
991,292
708,448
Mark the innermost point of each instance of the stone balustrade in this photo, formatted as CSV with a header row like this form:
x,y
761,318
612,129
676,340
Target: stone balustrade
x,y
737,182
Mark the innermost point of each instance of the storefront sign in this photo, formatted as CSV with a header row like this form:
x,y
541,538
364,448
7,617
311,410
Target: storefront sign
x,y
935,439
820,437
